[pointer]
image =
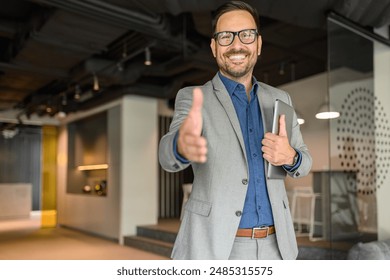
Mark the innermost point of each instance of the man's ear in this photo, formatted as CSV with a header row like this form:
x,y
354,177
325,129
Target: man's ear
x,y
259,44
212,46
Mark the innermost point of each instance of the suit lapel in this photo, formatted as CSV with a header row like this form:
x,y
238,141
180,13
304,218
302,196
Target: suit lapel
x,y
227,104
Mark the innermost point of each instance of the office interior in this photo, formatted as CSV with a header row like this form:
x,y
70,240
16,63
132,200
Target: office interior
x,y
79,142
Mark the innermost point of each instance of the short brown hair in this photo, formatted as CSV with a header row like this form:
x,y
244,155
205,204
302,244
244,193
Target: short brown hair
x,y
234,6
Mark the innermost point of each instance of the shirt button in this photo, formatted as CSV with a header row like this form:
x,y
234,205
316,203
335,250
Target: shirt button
x,y
250,130
238,213
244,181
254,155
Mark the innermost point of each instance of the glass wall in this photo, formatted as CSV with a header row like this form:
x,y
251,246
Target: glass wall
x,y
350,198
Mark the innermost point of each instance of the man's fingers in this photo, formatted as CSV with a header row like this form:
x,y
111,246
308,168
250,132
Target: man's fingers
x,y
193,140
195,148
282,126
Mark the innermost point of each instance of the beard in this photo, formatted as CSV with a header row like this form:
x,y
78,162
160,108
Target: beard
x,y
236,71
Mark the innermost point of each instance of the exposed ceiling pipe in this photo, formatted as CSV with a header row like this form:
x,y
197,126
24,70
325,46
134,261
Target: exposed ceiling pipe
x,y
34,69
155,26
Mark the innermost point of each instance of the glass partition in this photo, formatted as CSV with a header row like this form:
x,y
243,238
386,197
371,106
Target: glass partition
x,y
349,199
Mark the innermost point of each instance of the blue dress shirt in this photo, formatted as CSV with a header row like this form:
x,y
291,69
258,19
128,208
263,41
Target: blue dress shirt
x,y
257,208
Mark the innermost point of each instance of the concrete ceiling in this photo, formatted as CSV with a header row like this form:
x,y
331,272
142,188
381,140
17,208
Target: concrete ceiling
x,y
51,49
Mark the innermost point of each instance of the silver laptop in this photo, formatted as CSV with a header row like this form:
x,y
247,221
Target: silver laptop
x,y
280,108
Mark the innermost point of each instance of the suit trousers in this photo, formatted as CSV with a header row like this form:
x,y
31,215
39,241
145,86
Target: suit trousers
x,y
246,248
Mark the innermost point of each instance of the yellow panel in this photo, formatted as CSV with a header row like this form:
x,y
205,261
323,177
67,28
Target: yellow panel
x,y
48,218
49,176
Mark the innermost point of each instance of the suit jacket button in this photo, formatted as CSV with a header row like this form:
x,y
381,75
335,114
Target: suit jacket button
x,y
238,213
244,181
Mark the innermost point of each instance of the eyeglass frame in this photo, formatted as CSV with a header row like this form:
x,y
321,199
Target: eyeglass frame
x,y
236,33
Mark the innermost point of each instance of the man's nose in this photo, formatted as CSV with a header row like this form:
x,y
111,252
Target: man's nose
x,y
236,41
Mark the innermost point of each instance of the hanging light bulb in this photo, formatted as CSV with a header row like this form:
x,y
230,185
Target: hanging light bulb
x,y
281,68
96,86
299,118
61,115
327,111
148,60
64,100
292,65
77,92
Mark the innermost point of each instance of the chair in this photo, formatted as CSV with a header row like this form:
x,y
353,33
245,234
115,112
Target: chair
x,y
303,210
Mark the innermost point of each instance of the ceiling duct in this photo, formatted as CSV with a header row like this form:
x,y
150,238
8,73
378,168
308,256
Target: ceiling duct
x,y
156,26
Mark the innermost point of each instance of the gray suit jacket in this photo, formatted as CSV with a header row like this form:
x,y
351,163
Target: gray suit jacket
x,y
211,215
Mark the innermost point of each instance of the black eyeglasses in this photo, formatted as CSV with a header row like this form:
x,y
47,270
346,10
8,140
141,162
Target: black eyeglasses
x,y
225,38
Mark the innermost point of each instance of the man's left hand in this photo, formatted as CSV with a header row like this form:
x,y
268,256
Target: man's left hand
x,y
276,148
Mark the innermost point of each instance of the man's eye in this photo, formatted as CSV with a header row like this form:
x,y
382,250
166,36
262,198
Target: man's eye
x,y
225,36
246,34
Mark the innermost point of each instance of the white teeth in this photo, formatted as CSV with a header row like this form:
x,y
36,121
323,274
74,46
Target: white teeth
x,y
237,57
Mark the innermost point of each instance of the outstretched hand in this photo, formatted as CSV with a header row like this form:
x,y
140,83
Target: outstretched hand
x,y
190,144
276,148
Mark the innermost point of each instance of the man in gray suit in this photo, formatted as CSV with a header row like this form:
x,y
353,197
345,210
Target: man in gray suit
x,y
222,130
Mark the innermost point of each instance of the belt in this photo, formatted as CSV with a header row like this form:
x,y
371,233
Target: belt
x,y
259,232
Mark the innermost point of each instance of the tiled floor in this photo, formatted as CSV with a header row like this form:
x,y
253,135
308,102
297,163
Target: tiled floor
x,y
23,239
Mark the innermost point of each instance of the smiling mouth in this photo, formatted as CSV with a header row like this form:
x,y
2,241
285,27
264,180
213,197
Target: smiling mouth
x,y
237,57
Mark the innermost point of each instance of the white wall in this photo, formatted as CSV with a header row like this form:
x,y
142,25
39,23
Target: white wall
x,y
132,197
90,213
139,164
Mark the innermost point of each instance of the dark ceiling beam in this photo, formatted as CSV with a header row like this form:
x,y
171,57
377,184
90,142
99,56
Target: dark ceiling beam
x,y
66,46
366,13
8,28
352,26
32,69
156,26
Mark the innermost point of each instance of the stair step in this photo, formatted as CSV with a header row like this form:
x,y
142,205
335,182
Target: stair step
x,y
158,234
149,244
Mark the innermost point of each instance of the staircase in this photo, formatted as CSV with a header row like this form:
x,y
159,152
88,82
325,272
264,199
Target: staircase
x,y
159,239
152,239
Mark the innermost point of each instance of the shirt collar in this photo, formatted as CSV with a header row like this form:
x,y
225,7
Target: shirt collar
x,y
231,85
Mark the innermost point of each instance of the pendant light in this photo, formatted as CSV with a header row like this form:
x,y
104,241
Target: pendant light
x,y
327,111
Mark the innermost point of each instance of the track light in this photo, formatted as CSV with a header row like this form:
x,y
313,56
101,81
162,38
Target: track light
x,y
281,68
77,92
292,65
64,100
9,133
119,66
61,115
148,60
96,86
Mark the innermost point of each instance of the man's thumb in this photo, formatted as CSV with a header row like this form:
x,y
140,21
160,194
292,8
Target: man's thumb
x,y
282,126
197,100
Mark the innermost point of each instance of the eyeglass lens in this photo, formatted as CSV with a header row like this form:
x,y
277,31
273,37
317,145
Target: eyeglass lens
x,y
246,36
